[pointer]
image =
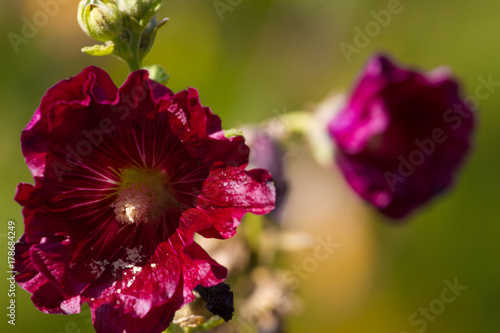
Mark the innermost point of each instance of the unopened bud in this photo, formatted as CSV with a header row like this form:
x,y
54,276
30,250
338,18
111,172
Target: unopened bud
x,y
137,8
100,19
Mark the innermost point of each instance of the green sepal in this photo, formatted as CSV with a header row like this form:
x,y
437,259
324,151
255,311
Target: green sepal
x,y
137,26
99,50
150,14
148,36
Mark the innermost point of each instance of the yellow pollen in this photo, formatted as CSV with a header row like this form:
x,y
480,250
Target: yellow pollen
x,y
134,204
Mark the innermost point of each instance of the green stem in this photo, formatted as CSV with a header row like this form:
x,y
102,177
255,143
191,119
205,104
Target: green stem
x,y
297,122
134,62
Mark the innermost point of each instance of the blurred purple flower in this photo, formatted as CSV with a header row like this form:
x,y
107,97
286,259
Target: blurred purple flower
x,y
402,135
266,153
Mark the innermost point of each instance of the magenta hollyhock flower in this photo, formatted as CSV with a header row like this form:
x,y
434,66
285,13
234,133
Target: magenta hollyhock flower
x,y
402,135
124,178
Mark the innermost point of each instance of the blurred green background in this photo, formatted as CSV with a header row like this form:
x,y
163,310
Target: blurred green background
x,y
264,55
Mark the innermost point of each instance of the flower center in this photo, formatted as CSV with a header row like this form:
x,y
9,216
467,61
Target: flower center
x,y
142,196
134,204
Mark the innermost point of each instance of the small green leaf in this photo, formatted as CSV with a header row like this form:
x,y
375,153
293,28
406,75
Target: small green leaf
x,y
158,74
211,323
99,50
231,133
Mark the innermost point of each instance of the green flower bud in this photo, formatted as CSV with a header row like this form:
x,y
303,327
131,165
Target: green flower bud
x,y
137,8
100,19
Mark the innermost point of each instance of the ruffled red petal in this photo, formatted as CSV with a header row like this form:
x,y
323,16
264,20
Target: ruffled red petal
x,y
230,193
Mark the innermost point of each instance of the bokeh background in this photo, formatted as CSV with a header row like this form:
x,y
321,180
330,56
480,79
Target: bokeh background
x,y
265,55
